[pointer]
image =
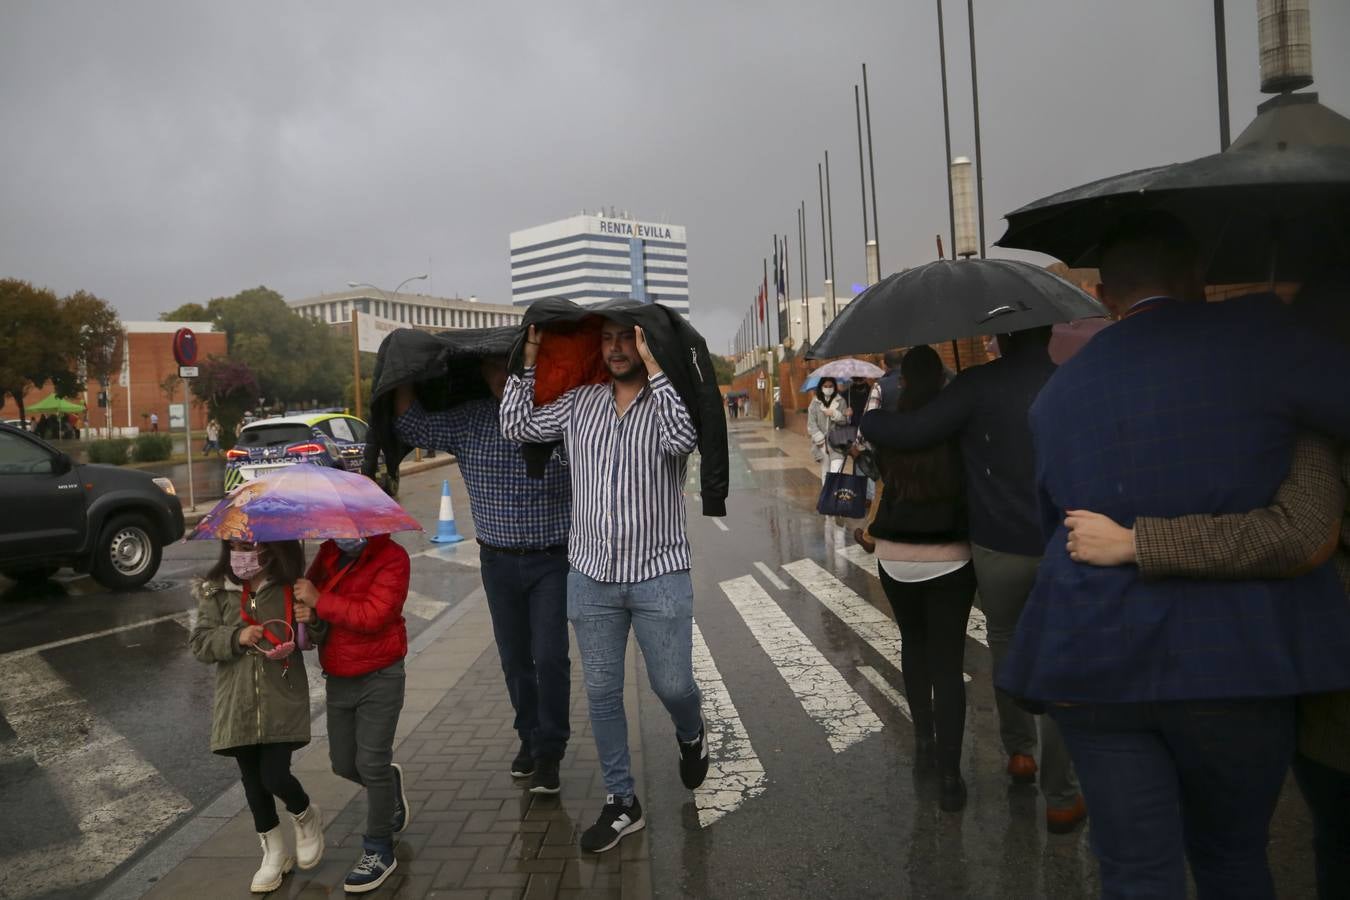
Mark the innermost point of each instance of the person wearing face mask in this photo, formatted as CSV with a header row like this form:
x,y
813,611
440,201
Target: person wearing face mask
x,y
827,410
260,715
353,597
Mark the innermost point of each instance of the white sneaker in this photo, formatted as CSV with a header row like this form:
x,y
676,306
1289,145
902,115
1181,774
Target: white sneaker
x,y
276,862
309,837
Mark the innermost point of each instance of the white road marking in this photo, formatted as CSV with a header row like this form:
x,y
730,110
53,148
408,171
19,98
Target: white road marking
x,y
869,623
819,687
454,553
887,690
735,773
772,578
720,524
422,606
42,648
118,800
976,626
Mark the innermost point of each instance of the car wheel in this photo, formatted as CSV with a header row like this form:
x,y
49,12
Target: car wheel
x,y
127,554
28,576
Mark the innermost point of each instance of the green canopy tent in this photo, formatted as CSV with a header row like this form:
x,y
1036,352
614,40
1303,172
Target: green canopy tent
x,y
53,404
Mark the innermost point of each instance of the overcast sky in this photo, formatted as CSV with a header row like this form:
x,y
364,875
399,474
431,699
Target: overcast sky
x,y
160,153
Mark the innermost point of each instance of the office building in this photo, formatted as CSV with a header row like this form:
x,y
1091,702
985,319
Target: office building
x,y
413,310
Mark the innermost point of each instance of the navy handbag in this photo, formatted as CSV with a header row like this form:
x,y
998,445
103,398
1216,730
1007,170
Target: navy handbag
x,y
844,494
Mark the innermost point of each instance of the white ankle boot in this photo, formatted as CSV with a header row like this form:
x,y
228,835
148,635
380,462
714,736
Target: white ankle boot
x,y
309,837
276,862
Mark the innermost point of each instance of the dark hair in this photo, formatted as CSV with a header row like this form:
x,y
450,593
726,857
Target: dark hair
x,y
1147,250
820,384
1029,337
893,358
934,473
282,561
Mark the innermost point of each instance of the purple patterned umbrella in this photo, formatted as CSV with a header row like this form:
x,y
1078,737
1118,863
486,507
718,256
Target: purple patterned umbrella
x,y
848,368
304,502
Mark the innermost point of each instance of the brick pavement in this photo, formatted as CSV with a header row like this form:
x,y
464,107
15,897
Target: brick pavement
x,y
476,833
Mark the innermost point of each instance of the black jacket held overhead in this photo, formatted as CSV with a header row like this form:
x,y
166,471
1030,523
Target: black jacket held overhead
x,y
678,348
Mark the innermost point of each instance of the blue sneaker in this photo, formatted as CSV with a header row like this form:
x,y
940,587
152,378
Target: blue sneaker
x,y
402,813
375,866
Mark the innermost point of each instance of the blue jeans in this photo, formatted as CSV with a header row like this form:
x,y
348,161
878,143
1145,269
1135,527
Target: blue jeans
x,y
661,612
1169,782
527,599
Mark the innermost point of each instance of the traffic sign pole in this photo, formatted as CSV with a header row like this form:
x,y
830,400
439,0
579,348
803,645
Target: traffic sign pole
x,y
185,353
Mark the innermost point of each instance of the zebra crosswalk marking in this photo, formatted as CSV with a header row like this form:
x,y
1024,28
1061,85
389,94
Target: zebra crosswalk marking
x,y
869,623
735,773
976,626
819,687
118,799
771,577
887,690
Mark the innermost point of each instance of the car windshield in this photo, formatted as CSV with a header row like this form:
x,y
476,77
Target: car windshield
x,y
274,435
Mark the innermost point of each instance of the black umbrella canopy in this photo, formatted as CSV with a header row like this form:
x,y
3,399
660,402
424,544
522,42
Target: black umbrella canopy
x,y
947,300
1273,206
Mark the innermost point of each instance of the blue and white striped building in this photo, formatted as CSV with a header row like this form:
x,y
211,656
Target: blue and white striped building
x,y
592,258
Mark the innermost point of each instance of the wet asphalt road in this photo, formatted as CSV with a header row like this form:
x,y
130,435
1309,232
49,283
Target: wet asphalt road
x,y
99,695
818,805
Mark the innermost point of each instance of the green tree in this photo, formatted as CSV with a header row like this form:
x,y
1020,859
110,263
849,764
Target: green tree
x,y
188,312
37,343
293,358
725,369
99,332
228,388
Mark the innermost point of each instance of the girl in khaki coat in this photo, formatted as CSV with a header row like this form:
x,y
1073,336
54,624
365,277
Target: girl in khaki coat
x,y
261,710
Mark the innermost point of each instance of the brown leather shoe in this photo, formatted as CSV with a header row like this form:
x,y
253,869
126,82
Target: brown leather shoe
x,y
864,540
1064,819
1022,768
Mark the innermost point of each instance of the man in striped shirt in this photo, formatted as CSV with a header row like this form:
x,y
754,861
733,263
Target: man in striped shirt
x,y
628,444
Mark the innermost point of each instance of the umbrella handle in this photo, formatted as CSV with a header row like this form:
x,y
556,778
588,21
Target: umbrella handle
x,y
1003,311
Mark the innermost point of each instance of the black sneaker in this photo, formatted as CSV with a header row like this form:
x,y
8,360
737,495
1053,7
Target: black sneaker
x,y
523,765
616,820
545,780
402,813
694,760
375,866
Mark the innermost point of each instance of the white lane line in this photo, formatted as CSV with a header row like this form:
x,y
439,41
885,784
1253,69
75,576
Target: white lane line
x,y
976,627
735,773
887,690
42,648
454,553
422,606
772,578
118,800
869,623
819,687
720,524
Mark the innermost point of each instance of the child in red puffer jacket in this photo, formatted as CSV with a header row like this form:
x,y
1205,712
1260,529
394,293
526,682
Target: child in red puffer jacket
x,y
353,597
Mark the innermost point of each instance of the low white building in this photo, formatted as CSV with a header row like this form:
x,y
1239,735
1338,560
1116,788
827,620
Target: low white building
x,y
413,310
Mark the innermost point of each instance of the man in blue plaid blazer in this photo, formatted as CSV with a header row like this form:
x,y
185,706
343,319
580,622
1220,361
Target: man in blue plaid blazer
x,y
1176,696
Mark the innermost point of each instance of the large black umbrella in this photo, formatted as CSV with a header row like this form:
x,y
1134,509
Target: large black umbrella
x,y
946,300
1274,206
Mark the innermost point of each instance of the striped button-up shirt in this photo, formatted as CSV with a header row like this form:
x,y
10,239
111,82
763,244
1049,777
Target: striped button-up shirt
x,y
628,472
510,509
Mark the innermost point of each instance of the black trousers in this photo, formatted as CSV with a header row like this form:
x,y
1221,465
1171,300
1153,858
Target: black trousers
x,y
266,772
932,617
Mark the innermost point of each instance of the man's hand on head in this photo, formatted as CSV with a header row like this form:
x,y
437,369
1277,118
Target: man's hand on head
x,y
653,367
533,337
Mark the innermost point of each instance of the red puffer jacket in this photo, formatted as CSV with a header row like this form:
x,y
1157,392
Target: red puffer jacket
x,y
363,608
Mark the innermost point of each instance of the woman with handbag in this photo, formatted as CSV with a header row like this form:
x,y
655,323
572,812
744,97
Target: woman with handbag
x,y
923,557
246,627
827,411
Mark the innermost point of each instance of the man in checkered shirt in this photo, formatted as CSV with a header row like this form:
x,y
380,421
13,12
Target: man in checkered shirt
x,y
521,524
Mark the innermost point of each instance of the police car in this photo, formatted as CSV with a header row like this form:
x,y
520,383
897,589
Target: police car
x,y
325,439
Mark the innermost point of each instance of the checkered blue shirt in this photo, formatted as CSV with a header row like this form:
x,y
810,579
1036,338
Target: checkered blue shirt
x,y
509,509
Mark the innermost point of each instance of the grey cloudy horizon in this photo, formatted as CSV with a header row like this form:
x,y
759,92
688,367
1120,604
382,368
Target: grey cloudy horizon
x,y
165,153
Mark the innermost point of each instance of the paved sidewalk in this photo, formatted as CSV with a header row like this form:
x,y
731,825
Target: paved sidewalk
x,y
475,832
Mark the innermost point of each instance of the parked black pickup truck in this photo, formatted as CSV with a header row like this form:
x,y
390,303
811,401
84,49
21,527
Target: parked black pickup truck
x,y
54,512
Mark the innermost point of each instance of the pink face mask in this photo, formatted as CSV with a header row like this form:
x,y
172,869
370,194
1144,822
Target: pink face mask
x,y
244,564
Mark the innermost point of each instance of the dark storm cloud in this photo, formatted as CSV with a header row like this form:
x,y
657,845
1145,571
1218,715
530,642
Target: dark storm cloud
x,y
157,153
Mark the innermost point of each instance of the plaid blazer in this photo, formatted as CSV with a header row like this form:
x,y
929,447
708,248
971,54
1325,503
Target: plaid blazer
x,y
1273,542
1185,408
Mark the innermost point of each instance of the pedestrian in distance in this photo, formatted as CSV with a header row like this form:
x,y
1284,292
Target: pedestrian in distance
x,y
985,410
521,524
154,422
826,410
1176,697
923,558
733,408
260,715
212,437
628,444
354,594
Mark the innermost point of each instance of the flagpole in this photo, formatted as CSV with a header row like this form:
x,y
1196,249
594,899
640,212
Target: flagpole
x,y
824,249
801,257
946,129
829,214
787,293
872,171
769,360
975,98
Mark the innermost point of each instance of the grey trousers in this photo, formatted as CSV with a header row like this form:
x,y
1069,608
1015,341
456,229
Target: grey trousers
x,y
362,718
1004,581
